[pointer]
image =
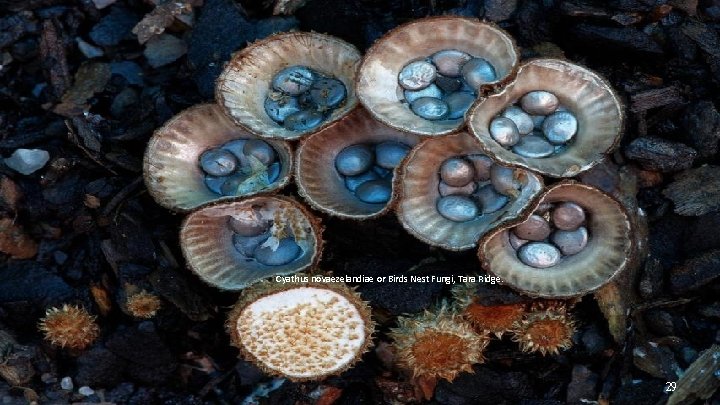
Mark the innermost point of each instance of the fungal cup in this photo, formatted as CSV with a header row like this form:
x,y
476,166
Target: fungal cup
x,y
605,254
216,241
172,169
247,81
584,93
378,85
320,183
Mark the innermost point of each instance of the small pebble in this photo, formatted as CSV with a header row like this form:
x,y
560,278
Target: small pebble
x,y
539,255
568,216
482,165
431,109
504,180
560,127
417,75
260,150
478,71
293,80
429,91
354,160
66,383
535,228
504,131
448,84
570,242
533,147
449,62
303,120
459,102
489,200
27,161
539,102
218,162
353,182
286,252
85,391
389,154
248,226
523,121
446,190
516,242
457,172
457,208
328,92
374,191
214,183
246,245
279,108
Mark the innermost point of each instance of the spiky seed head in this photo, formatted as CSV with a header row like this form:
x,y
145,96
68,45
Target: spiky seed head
x,y
493,319
69,327
544,331
143,305
301,331
437,344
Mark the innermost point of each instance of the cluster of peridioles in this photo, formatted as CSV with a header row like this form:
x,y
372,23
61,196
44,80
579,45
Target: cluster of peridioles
x,y
404,150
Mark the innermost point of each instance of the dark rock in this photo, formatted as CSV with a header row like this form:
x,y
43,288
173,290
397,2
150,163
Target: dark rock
x,y
594,340
248,373
177,289
220,30
582,387
533,23
710,311
702,128
695,191
114,27
13,27
652,279
131,238
658,361
164,49
641,392
485,386
665,239
30,281
499,10
148,360
695,273
706,38
123,102
659,154
625,38
121,393
99,367
131,71
703,236
659,322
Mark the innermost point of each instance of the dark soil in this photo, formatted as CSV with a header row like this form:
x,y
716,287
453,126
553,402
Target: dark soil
x,y
76,82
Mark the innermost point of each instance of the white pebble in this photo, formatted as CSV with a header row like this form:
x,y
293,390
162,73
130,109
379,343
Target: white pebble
x,y
27,161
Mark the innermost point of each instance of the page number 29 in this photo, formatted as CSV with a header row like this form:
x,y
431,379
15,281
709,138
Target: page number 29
x,y
670,386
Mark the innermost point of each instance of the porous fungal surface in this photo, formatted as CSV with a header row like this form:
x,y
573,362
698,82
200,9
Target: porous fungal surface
x,y
304,332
